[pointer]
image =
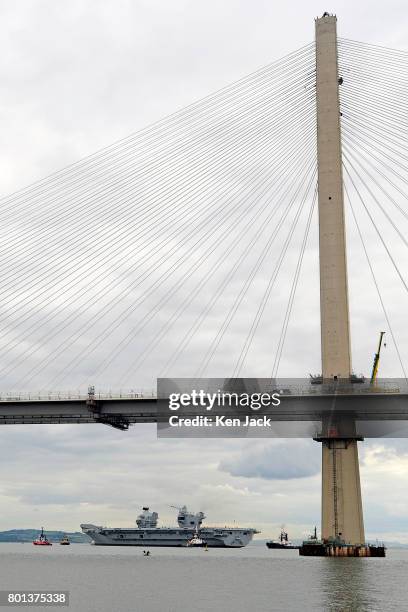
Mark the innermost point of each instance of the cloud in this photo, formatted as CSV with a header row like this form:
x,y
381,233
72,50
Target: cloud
x,y
276,461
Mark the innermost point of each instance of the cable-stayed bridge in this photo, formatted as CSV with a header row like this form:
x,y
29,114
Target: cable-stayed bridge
x,y
171,246
154,248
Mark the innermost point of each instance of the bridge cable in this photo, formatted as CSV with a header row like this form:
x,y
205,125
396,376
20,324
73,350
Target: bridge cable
x,y
261,308
177,115
93,346
376,283
214,298
201,222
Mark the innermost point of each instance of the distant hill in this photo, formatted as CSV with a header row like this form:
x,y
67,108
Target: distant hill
x,y
28,535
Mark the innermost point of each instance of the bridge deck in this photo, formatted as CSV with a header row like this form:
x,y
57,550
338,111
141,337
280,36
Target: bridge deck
x,y
122,411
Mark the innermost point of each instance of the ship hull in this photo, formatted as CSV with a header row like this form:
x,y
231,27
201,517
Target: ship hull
x,y
282,546
213,538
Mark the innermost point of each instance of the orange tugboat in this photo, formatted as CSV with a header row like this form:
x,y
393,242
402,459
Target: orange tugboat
x,y
42,539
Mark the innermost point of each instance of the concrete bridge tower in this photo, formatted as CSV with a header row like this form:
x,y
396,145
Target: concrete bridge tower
x,y
342,515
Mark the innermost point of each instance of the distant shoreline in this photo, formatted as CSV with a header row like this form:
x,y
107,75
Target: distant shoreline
x,y
77,537
28,535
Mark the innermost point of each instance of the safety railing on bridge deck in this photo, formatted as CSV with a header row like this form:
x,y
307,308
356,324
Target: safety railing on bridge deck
x,y
54,396
365,388
288,387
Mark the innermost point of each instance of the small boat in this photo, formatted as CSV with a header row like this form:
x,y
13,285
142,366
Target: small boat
x,y
196,541
65,541
42,539
283,542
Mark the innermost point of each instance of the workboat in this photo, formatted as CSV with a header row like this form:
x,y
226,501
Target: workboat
x,y
196,541
147,533
65,541
42,539
338,547
282,543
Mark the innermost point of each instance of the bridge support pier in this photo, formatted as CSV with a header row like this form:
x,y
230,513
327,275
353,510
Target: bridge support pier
x,y
342,511
342,516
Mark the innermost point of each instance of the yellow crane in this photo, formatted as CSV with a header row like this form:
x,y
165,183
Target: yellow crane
x,y
377,359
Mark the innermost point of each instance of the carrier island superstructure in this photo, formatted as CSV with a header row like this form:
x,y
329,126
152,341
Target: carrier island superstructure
x,y
147,533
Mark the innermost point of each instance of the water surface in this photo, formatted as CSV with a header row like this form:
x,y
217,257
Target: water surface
x,y
255,579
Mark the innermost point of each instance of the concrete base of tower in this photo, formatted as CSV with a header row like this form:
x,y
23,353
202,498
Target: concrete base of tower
x,y
318,548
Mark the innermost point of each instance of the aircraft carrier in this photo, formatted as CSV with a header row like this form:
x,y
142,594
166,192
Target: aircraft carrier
x,y
189,525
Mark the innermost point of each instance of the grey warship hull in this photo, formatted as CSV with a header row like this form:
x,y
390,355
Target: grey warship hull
x,y
168,537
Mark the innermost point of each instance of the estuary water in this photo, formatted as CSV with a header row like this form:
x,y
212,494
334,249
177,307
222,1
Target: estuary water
x,y
252,579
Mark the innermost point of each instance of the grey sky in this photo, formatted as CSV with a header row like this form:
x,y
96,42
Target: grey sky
x,y
77,76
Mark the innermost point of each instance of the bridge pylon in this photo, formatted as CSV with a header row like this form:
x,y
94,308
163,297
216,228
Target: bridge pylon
x,y
342,514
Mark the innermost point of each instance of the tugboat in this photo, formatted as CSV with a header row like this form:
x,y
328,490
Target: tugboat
x,y
283,542
196,541
313,547
42,539
65,541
